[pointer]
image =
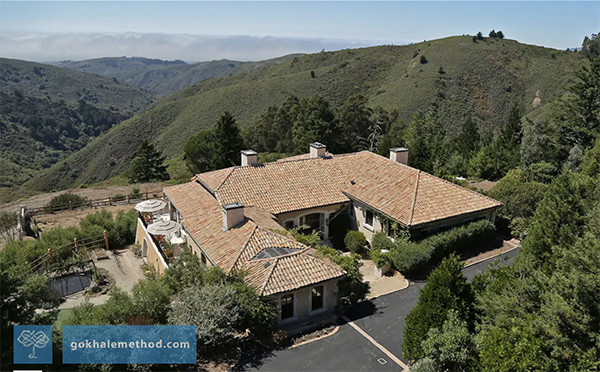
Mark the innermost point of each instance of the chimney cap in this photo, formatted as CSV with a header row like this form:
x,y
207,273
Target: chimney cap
x,y
231,206
318,145
399,149
248,152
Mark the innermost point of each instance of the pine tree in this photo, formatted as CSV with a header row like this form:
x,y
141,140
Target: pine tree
x,y
316,122
578,115
199,151
227,143
446,289
468,140
355,120
148,166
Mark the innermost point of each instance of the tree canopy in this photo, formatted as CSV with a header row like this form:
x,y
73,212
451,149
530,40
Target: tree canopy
x,y
148,166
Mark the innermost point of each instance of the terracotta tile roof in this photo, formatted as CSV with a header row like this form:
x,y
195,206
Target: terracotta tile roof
x,y
403,193
302,157
191,199
290,272
235,249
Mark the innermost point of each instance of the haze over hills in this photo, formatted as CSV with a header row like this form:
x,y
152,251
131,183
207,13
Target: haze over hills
x,y
164,77
484,79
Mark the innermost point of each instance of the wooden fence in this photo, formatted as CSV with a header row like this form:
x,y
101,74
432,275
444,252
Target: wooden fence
x,y
97,203
94,242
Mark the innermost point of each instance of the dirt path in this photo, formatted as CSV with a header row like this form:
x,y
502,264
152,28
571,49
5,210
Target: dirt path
x,y
72,218
98,192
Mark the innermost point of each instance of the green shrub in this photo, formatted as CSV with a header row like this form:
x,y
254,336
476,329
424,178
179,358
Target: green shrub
x,y
311,240
355,241
381,243
423,60
135,193
117,197
409,257
137,250
518,227
62,201
352,287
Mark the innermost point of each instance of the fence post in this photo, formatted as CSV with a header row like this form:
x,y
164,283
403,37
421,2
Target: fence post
x,y
127,198
90,200
50,208
50,253
109,200
106,239
70,205
75,243
146,194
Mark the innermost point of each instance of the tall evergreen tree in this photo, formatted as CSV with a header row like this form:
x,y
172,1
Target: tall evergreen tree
x,y
148,166
199,151
316,122
446,289
468,140
578,115
355,120
227,143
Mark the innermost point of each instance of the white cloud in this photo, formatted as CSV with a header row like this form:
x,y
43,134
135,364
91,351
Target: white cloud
x,y
56,47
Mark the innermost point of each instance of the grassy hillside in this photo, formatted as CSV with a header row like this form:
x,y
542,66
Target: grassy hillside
x,y
485,79
165,77
55,83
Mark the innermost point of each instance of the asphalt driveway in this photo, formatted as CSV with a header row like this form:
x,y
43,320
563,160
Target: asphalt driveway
x,y
348,350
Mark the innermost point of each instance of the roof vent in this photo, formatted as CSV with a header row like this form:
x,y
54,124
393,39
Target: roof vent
x,y
352,183
317,150
249,157
233,215
266,264
399,155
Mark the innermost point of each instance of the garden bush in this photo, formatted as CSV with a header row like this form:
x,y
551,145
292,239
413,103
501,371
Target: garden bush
x,y
62,201
381,243
117,197
355,241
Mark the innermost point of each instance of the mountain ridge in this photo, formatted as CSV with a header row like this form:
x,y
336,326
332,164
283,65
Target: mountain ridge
x,y
483,79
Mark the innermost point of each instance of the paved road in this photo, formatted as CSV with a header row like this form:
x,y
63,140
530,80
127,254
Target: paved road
x,y
348,350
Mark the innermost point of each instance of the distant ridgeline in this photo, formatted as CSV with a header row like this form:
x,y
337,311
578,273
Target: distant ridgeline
x,y
461,77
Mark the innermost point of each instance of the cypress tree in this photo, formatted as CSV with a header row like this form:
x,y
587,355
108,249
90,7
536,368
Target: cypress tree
x,y
148,166
227,142
447,288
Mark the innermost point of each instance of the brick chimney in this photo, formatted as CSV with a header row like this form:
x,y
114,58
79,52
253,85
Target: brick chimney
x,y
233,215
249,157
399,154
317,150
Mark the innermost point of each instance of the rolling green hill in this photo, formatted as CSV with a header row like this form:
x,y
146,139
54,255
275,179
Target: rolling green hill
x,y
45,81
165,77
485,79
47,113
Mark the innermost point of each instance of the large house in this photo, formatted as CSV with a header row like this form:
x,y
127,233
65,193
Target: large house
x,y
235,218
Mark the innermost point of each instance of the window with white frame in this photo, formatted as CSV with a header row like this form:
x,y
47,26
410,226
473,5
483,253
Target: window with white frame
x,y
287,306
369,218
316,302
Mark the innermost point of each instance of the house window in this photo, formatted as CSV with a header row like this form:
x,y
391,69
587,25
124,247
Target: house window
x,y
369,218
389,229
312,222
317,298
287,306
289,224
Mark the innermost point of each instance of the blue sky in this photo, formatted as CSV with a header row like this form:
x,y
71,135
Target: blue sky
x,y
554,24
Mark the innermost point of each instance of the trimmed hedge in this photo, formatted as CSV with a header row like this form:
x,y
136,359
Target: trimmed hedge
x,y
409,257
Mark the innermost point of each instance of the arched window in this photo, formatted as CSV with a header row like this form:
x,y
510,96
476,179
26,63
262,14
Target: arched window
x,y
144,248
